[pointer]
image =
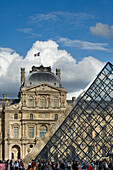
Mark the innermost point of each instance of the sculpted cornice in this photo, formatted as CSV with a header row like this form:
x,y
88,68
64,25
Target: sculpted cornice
x,y
16,106
43,87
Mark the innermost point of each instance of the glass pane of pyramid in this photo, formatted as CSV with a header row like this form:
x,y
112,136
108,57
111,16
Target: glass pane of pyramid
x,y
87,132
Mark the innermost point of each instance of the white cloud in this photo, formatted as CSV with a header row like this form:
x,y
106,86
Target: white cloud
x,y
72,94
84,44
75,19
74,76
28,31
102,30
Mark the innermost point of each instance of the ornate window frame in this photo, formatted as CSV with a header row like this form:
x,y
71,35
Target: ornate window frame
x,y
43,102
56,102
31,116
42,131
15,116
31,101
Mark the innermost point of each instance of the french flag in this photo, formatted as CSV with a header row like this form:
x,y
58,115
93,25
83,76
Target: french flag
x,y
37,54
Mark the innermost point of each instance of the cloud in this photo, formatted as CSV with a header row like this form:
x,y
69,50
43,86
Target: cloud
x,y
102,30
74,76
84,44
76,19
29,31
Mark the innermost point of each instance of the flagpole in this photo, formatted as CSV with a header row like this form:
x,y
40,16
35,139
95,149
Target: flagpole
x,y
38,54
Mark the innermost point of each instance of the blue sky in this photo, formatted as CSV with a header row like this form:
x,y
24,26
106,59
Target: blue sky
x,y
25,21
81,27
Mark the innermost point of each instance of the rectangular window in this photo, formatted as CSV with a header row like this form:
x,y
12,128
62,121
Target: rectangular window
x,y
56,102
15,132
31,102
43,101
42,133
31,116
31,132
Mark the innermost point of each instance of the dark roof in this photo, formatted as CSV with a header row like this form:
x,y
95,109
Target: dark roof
x,y
11,101
36,78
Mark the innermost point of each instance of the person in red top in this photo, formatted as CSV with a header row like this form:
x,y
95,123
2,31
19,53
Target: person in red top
x,y
90,167
33,164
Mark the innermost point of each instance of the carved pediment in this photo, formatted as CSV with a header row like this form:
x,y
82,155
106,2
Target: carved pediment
x,y
15,125
46,88
16,106
42,87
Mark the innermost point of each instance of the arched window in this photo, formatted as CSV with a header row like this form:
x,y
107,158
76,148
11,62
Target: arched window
x,y
43,101
56,102
31,116
15,116
31,102
56,116
43,130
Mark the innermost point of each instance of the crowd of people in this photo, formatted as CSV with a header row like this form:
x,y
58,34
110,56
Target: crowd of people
x,y
50,165
12,165
74,165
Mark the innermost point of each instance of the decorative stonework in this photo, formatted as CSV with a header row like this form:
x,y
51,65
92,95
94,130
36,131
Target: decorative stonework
x,y
41,115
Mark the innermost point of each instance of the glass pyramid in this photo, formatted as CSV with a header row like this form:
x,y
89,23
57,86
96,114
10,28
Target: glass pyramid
x,y
87,132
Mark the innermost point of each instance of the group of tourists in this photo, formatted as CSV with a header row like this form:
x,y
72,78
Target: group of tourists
x,y
51,165
12,165
74,165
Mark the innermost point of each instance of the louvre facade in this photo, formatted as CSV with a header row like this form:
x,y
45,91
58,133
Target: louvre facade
x,y
87,132
24,121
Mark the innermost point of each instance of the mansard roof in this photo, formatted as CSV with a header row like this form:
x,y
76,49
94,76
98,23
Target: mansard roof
x,y
40,75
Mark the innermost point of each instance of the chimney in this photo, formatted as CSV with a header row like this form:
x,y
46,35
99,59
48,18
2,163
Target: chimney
x,y
58,73
22,76
4,96
73,99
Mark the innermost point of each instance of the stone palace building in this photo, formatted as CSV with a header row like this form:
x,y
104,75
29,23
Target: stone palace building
x,y
24,121
42,124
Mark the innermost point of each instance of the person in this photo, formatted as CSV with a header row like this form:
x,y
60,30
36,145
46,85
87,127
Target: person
x,y
37,163
21,166
105,165
33,165
68,166
11,164
79,166
110,164
90,167
75,165
53,166
62,165
57,166
49,165
16,165
29,166
2,166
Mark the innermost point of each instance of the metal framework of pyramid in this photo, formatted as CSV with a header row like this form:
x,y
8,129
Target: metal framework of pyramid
x,y
87,132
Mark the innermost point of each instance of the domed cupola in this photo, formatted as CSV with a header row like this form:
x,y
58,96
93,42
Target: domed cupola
x,y
40,75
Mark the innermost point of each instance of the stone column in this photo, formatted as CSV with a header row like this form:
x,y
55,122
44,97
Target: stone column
x,y
22,130
51,102
36,101
37,130
25,131
58,73
22,151
22,135
22,76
